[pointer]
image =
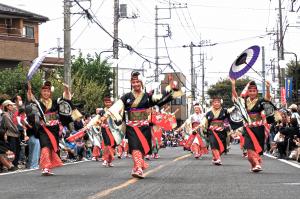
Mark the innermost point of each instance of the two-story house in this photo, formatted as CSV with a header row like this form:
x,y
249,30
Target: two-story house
x,y
19,35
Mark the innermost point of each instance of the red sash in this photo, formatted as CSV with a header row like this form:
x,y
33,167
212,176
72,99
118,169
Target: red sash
x,y
111,137
257,147
52,138
135,125
221,146
142,139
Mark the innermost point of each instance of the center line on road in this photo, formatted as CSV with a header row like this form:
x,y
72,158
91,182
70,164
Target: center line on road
x,y
134,180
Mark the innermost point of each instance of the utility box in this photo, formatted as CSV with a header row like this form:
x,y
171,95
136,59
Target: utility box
x,y
123,10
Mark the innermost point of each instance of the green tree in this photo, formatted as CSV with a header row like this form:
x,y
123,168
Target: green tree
x,y
91,79
13,82
223,89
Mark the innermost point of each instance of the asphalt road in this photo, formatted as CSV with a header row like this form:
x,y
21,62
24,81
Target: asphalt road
x,y
175,175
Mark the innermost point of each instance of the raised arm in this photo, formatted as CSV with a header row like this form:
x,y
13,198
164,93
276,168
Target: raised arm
x,y
67,94
234,94
268,93
29,92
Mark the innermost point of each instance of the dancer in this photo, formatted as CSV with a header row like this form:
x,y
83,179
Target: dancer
x,y
138,132
213,123
49,126
109,141
123,149
196,141
156,132
254,124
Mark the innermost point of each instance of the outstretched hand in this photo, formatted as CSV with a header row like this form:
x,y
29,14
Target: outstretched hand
x,y
268,84
66,85
232,81
28,86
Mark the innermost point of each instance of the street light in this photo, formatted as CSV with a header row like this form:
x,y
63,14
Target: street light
x,y
105,51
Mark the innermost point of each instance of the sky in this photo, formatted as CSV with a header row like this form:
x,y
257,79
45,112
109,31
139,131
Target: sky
x,y
234,25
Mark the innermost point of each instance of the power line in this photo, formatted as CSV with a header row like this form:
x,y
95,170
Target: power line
x,y
186,31
192,22
84,29
195,33
227,7
92,18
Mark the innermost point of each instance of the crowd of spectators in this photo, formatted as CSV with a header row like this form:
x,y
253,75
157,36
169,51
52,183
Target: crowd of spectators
x,y
171,139
19,138
284,140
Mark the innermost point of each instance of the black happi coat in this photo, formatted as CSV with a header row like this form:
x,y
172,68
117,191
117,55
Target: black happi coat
x,y
258,131
145,103
106,137
219,121
54,129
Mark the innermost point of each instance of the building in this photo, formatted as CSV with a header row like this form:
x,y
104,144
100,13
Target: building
x,y
19,36
178,103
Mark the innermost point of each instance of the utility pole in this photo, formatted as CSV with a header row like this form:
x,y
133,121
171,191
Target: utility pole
x,y
278,59
67,43
116,31
281,48
192,71
281,32
193,85
116,47
263,71
157,36
156,44
203,75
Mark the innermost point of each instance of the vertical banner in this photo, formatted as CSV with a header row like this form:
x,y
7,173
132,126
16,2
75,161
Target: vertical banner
x,y
282,96
289,88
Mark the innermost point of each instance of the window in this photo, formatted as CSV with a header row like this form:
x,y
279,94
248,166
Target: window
x,y
29,32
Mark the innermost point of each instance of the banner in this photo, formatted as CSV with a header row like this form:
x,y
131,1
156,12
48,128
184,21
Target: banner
x,y
289,88
282,96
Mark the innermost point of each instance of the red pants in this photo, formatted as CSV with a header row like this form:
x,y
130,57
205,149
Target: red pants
x,y
96,152
122,149
197,149
108,154
216,154
138,160
254,158
49,159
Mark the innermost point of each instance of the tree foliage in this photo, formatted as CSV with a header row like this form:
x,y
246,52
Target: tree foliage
x,y
92,79
13,82
223,89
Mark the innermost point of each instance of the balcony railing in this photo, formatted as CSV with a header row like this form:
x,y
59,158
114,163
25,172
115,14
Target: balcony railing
x,y
13,32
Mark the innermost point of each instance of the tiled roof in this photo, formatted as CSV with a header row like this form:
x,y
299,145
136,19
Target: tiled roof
x,y
9,10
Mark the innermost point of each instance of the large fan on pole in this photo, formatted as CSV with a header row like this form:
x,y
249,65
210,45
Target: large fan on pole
x,y
244,62
36,63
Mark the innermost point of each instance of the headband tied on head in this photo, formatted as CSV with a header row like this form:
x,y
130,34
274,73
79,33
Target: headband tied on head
x,y
252,85
135,75
47,85
213,98
196,105
108,99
